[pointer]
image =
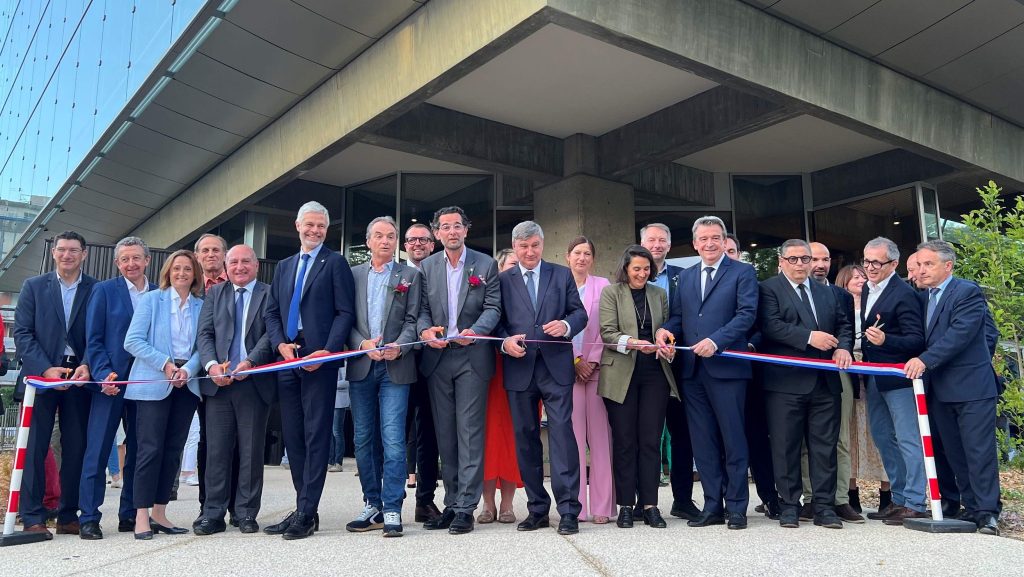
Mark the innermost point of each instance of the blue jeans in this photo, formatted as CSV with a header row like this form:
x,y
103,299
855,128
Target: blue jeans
x,y
113,462
893,419
338,441
378,417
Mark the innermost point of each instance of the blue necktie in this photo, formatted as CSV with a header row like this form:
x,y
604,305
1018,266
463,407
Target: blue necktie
x,y
235,349
933,300
293,307
707,283
531,290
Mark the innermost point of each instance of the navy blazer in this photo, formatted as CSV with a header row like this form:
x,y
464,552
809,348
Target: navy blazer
x,y
39,330
956,357
107,317
898,307
327,305
726,316
557,299
673,281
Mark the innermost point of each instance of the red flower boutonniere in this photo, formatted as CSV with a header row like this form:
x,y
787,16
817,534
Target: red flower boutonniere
x,y
402,287
474,280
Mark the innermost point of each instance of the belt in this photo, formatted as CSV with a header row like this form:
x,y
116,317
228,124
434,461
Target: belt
x,y
69,361
180,362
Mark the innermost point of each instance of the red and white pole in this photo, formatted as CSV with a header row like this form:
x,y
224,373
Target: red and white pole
x,y
20,454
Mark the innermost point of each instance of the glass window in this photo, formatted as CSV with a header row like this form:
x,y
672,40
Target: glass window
x,y
680,223
364,203
931,213
423,194
769,211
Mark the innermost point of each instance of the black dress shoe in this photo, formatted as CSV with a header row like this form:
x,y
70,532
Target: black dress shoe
x,y
533,522
158,528
653,518
988,525
90,531
884,513
126,525
707,519
625,520
737,521
233,521
208,526
828,519
426,512
568,525
789,518
950,510
461,524
684,510
302,526
280,528
444,521
772,510
807,512
249,525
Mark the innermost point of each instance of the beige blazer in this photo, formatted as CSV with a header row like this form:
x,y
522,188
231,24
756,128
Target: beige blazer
x,y
618,318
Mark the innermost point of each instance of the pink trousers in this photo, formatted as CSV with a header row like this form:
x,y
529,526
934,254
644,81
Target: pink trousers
x,y
590,424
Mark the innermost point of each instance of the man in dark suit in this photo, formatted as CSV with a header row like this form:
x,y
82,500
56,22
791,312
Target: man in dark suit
x,y
714,310
540,301
232,336
962,390
49,333
309,313
893,333
108,315
387,310
657,238
802,318
461,296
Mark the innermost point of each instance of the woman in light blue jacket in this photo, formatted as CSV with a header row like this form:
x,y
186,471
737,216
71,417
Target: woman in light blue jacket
x,y
162,339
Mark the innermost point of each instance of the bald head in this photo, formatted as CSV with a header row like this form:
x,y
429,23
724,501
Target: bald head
x,y
821,261
242,265
912,266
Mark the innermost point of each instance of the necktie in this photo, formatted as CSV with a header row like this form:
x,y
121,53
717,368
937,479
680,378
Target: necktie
x,y
707,282
235,348
933,300
531,290
293,306
807,301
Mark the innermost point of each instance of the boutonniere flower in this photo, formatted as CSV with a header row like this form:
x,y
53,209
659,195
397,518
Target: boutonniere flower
x,y
674,282
474,280
402,287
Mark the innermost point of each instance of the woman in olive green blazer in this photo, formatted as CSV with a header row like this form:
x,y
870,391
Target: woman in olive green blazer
x,y
636,382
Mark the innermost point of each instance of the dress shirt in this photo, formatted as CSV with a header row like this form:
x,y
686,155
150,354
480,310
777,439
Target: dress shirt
x,y
246,299
454,285
309,266
942,290
210,281
376,289
577,341
704,275
874,290
134,293
536,289
810,297
183,328
660,280
67,296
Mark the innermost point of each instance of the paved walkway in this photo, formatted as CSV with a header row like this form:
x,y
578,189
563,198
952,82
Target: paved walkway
x,y
496,550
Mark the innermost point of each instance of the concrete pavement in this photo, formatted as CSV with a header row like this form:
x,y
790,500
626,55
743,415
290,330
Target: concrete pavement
x,y
496,549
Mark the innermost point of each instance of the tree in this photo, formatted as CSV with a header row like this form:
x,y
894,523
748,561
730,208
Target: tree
x,y
990,251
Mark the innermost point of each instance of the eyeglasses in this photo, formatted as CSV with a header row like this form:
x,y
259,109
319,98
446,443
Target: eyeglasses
x,y
796,259
417,240
456,227
873,264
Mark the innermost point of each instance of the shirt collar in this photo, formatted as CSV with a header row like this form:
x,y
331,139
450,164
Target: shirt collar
x,y
881,286
714,266
945,284
387,268
313,253
131,286
523,269
795,285
462,260
66,286
209,282
248,288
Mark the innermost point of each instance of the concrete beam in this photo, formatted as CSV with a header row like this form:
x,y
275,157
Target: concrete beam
x,y
736,44
453,136
702,121
671,184
874,173
439,43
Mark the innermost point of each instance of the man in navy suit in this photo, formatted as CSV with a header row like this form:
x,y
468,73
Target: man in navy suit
x,y
309,314
657,238
106,323
540,301
962,390
714,310
49,332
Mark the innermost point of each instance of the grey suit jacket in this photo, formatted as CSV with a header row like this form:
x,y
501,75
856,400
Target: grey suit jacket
x,y
217,327
401,310
479,307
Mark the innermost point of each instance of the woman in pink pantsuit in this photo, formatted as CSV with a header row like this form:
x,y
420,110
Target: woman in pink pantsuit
x,y
589,417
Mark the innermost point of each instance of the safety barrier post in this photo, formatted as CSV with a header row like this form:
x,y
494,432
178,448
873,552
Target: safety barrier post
x,y
10,537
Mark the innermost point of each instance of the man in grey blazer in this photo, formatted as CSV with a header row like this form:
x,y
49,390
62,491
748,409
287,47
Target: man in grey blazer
x,y
461,297
387,304
231,336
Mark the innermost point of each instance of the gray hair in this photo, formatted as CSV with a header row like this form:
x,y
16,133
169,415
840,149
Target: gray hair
x,y
223,243
503,255
527,229
659,226
892,252
131,241
313,206
386,219
794,242
941,248
708,220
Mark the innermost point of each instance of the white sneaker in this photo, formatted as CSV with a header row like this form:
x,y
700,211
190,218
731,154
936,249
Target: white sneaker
x,y
392,524
335,468
369,520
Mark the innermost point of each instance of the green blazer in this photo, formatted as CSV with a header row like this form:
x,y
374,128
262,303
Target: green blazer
x,y
618,318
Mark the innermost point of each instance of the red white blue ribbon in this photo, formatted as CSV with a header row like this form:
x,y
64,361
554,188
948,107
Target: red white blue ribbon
x,y
863,368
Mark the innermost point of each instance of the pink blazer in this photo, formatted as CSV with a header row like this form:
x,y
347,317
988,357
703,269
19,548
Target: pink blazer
x,y
592,348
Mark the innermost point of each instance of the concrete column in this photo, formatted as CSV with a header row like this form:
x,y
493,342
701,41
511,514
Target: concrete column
x,y
601,210
256,232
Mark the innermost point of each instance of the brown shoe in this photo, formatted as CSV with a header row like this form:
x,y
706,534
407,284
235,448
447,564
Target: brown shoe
x,y
807,512
71,528
884,513
39,528
848,514
904,513
487,516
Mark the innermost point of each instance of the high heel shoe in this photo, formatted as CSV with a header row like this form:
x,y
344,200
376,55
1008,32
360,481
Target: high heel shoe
x,y
158,528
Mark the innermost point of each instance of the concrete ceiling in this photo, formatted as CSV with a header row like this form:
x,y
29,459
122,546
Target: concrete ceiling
x,y
803,144
559,82
970,48
361,162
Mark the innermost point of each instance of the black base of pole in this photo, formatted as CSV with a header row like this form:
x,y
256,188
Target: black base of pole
x,y
943,526
22,538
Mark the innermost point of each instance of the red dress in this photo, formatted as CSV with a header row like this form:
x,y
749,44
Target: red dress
x,y
499,435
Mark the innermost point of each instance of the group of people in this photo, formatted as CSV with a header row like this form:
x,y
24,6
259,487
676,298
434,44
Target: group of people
x,y
465,354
